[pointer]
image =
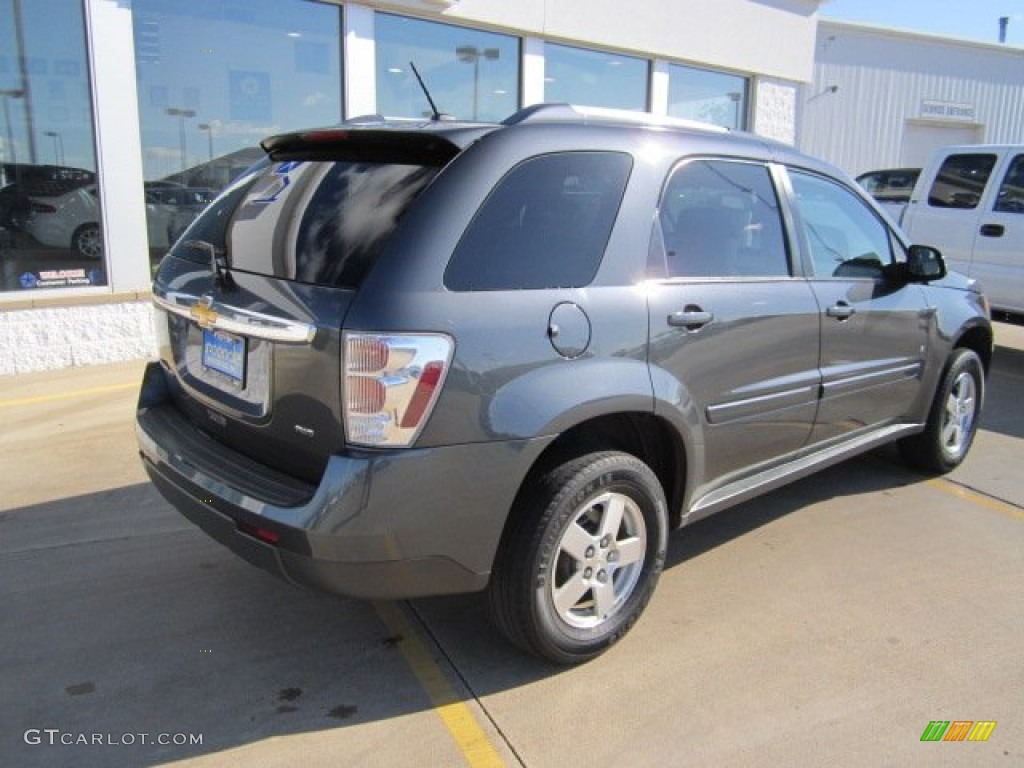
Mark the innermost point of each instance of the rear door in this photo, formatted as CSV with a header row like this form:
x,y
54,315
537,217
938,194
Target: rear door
x,y
255,292
999,237
728,321
874,325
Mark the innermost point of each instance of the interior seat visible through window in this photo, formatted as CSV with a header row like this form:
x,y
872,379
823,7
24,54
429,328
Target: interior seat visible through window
x,y
719,218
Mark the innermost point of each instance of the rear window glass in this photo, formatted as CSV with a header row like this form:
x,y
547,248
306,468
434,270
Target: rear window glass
x,y
545,225
312,222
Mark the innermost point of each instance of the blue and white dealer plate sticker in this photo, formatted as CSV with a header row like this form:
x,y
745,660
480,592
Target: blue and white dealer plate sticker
x,y
225,353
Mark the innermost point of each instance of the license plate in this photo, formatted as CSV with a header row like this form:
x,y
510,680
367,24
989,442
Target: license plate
x,y
225,353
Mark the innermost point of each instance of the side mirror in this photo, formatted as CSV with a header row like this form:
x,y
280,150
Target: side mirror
x,y
925,264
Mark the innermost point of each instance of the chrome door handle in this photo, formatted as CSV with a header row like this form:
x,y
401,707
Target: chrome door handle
x,y
841,311
690,319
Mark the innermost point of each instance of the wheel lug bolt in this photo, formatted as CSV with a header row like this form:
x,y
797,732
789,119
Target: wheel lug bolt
x,y
604,542
602,576
590,552
588,572
613,557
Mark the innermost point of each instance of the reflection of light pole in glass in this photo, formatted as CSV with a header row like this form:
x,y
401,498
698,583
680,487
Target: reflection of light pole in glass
x,y
734,97
58,146
470,54
181,114
209,135
7,94
26,93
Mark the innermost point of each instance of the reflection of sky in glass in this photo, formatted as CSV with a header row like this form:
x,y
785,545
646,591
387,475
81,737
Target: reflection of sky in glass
x,y
462,68
60,120
712,97
594,78
245,68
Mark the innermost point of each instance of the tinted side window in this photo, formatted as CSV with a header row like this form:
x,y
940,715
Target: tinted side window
x,y
960,181
890,186
720,218
874,183
844,236
545,224
1011,192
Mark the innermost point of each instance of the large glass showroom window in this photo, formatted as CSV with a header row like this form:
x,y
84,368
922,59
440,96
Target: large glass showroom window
x,y
711,97
214,78
471,74
49,203
594,78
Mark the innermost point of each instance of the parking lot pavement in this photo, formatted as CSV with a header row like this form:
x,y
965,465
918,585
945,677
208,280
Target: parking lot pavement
x,y
120,619
827,623
995,467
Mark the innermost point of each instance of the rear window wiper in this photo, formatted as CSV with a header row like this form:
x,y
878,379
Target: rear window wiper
x,y
219,267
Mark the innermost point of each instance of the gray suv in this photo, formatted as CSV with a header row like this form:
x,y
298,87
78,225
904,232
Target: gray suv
x,y
404,359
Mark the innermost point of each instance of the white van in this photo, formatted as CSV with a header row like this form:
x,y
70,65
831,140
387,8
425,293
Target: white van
x,y
969,203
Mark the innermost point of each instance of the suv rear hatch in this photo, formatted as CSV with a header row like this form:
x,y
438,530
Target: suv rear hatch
x,y
252,298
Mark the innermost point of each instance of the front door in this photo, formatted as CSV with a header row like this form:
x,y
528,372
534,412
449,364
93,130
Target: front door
x,y
874,325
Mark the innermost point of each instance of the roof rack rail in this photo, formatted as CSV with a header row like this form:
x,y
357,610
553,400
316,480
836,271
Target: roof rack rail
x,y
562,112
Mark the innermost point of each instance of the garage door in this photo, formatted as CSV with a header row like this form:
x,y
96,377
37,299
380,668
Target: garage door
x,y
920,140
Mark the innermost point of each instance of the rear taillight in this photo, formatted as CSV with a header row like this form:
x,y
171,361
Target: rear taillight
x,y
38,207
391,383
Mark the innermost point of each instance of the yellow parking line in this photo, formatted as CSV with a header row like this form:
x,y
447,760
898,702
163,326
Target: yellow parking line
x,y
456,716
1002,507
68,395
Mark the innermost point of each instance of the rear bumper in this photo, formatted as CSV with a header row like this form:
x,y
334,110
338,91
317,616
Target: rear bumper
x,y
391,524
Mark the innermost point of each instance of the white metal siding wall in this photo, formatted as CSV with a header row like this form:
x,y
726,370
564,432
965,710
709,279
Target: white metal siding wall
x,y
880,78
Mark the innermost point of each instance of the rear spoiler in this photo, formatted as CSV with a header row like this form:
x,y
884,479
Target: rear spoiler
x,y
381,145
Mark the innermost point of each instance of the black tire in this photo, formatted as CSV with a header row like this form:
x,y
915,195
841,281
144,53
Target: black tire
x,y
87,242
561,541
953,419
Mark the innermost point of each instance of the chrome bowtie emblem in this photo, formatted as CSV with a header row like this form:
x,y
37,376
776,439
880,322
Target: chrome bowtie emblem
x,y
203,313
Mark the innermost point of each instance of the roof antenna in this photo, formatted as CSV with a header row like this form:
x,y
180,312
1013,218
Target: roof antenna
x,y
435,115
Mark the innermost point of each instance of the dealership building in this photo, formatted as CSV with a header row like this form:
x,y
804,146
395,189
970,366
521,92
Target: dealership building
x,y
122,118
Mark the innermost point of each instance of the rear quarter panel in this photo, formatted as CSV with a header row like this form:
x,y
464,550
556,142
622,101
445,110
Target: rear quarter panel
x,y
507,378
